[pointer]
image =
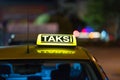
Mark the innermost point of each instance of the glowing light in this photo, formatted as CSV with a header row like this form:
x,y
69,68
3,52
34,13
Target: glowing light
x,y
77,66
91,35
87,29
104,36
84,35
84,30
56,39
94,35
12,36
76,33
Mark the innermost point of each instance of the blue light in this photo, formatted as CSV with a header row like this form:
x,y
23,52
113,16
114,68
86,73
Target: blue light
x,y
104,36
89,29
77,66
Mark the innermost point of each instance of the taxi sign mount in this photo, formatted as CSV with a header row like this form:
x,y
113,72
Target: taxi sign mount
x,y
56,39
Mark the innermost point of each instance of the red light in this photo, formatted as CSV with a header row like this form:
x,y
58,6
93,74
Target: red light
x,y
84,30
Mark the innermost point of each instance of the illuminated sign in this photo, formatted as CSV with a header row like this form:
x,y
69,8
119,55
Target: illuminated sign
x,y
56,39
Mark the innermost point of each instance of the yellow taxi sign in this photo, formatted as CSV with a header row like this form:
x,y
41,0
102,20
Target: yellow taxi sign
x,y
56,40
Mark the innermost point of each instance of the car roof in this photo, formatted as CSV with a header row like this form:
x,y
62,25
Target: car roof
x,y
20,52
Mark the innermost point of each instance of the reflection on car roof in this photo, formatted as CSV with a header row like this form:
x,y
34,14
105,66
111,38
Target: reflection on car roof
x,y
20,52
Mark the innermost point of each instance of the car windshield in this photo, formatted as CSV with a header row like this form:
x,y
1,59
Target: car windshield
x,y
47,70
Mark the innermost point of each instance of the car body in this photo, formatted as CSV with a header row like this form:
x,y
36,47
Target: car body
x,y
50,59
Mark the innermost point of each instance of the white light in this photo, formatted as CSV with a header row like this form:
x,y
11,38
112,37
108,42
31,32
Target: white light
x,y
76,33
83,35
12,36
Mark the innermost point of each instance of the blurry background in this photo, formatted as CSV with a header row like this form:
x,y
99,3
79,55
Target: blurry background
x,y
89,20
95,23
